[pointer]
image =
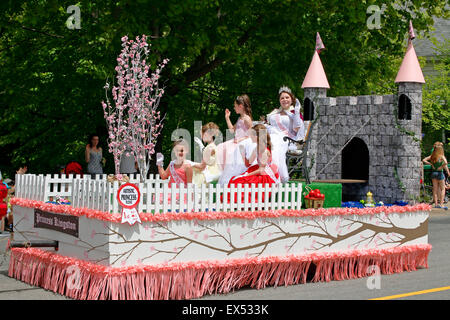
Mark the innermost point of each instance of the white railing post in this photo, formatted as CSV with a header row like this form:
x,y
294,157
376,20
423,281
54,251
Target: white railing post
x,y
109,197
115,204
148,200
203,198
196,197
239,197
75,191
158,197
253,196
299,196
181,193
260,197
233,197
173,197
190,200
211,205
165,200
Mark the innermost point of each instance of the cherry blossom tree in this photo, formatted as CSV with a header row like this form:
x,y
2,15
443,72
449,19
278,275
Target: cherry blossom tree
x,y
133,120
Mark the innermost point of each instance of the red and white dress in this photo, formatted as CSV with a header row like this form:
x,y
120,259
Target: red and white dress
x,y
268,176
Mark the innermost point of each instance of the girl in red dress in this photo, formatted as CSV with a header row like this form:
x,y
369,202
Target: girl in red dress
x,y
264,172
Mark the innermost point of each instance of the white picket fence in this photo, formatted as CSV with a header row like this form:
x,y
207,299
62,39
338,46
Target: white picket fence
x,y
157,196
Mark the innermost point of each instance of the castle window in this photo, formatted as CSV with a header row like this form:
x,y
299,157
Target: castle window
x,y
404,108
308,106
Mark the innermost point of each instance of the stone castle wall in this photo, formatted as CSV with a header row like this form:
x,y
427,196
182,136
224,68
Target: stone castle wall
x,y
394,156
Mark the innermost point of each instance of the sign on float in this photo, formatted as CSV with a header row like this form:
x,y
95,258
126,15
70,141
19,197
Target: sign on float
x,y
128,197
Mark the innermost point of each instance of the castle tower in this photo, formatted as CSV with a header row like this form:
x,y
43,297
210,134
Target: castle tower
x,y
315,87
409,122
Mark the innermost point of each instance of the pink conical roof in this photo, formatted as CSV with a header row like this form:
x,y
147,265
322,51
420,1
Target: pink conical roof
x,y
410,68
315,77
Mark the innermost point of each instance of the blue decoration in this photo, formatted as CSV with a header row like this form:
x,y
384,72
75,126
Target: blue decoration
x,y
352,204
54,202
355,204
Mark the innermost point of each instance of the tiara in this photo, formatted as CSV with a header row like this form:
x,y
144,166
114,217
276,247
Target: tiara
x,y
284,89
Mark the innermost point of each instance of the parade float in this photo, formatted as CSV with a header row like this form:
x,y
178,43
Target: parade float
x,y
90,238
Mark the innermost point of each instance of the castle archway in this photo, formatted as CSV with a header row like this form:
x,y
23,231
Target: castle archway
x,y
355,166
355,160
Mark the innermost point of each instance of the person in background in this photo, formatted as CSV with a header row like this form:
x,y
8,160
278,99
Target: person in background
x,y
438,164
437,143
7,222
128,163
22,169
93,156
9,216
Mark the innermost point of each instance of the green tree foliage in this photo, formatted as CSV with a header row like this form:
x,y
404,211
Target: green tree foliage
x,y
52,78
436,94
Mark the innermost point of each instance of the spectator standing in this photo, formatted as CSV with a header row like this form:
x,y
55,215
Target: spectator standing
x,y
93,156
438,164
128,163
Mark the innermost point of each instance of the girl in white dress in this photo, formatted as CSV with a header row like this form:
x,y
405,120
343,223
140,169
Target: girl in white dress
x,y
285,121
228,153
208,170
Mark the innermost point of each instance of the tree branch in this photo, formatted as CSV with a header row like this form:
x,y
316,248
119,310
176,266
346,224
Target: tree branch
x,y
42,32
201,67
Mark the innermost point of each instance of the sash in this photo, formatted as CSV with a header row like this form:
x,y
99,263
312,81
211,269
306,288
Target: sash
x,y
174,173
282,128
268,170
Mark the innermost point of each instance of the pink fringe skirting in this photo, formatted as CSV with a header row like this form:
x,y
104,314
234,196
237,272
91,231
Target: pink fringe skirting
x,y
187,280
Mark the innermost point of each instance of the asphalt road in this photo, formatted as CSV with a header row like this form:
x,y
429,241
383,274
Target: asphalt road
x,y
436,276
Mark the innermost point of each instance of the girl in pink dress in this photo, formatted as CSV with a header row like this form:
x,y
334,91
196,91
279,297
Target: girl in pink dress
x,y
264,171
228,154
179,170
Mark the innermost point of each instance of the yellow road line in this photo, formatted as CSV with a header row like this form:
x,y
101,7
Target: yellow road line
x,y
412,293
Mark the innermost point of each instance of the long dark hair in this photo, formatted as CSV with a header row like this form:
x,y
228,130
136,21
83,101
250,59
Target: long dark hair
x,y
90,140
245,101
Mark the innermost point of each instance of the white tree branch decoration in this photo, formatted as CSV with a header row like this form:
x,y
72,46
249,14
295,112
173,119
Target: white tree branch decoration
x,y
133,120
